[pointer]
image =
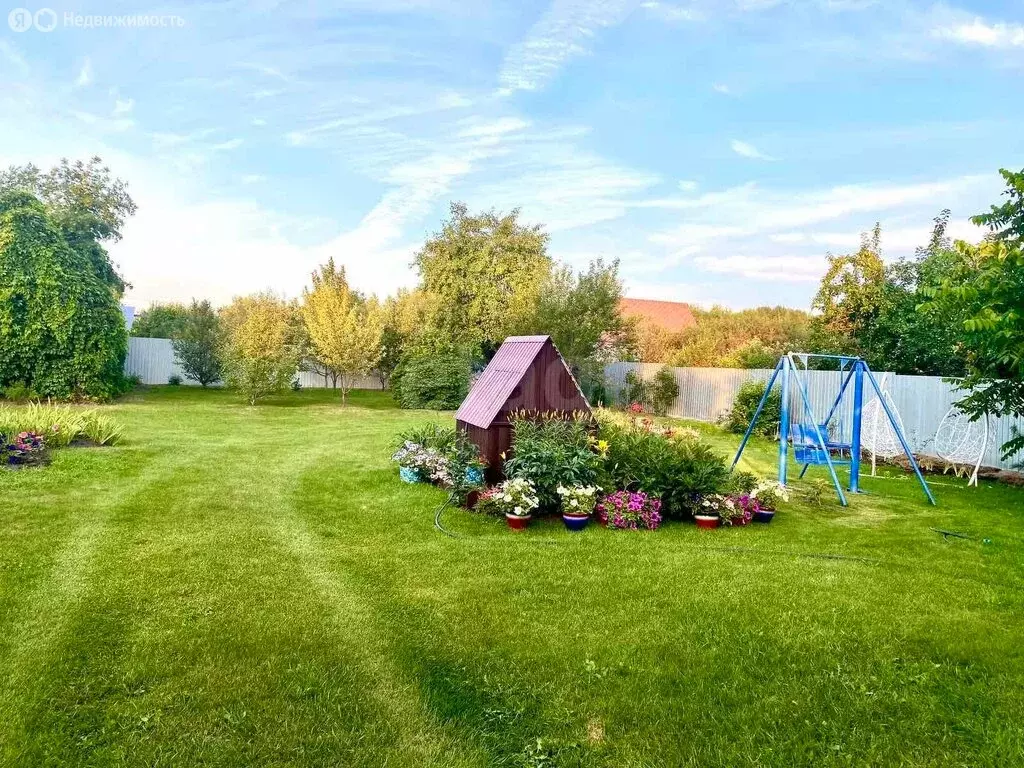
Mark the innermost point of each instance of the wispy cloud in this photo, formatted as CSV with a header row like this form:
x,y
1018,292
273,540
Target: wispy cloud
x,y
565,31
672,12
228,145
748,209
722,88
982,33
123,106
496,127
85,75
745,149
13,56
788,269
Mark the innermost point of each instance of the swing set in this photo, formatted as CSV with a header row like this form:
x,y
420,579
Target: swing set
x,y
814,442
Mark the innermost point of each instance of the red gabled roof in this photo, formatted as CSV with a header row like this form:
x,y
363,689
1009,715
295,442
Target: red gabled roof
x,y
673,316
508,366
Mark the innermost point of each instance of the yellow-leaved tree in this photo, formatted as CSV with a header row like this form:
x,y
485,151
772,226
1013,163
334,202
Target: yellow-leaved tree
x,y
261,353
345,328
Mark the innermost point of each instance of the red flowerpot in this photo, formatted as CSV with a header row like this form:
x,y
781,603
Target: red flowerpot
x,y
707,521
472,498
518,522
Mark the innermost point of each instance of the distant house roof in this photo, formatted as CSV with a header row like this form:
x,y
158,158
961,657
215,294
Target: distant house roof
x,y
673,316
508,366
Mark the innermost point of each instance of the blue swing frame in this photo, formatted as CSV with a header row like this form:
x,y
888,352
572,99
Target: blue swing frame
x,y
811,446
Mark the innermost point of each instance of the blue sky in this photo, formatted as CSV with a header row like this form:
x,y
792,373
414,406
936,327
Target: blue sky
x,y
718,148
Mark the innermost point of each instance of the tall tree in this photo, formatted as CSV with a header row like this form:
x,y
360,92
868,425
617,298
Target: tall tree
x,y
486,271
198,344
581,314
86,203
988,288
345,328
61,329
161,321
850,295
260,350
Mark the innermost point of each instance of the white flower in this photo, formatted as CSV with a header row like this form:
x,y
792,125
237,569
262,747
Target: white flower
x,y
507,497
517,511
574,503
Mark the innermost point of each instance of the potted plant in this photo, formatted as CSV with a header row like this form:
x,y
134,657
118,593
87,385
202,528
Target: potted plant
x,y
711,510
577,505
516,499
629,509
417,464
769,495
741,511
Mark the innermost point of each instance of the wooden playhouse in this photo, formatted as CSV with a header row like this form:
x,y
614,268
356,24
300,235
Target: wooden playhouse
x,y
527,373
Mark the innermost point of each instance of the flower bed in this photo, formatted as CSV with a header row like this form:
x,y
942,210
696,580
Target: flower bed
x,y
559,463
22,450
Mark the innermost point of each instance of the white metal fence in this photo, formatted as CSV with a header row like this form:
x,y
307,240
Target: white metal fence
x,y
152,360
922,401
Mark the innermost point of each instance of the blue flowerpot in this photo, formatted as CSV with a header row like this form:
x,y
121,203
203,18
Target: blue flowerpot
x,y
575,522
409,474
474,476
764,516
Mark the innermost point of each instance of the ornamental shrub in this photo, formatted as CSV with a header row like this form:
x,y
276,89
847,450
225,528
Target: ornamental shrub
x,y
436,381
643,458
62,333
656,394
737,418
198,344
551,451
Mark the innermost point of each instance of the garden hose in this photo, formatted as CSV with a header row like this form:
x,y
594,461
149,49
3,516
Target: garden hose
x,y
437,517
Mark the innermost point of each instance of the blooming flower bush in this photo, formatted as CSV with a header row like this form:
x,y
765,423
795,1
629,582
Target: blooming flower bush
x,y
21,449
578,500
629,509
770,494
513,497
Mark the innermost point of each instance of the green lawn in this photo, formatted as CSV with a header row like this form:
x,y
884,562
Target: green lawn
x,y
254,586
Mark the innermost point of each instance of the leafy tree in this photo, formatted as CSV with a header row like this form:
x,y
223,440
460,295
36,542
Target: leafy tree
x,y
85,202
344,327
988,288
161,321
408,329
261,354
910,342
850,296
61,329
581,314
198,344
485,272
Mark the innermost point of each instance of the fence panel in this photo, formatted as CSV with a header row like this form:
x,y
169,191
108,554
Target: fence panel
x,y
152,360
922,401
